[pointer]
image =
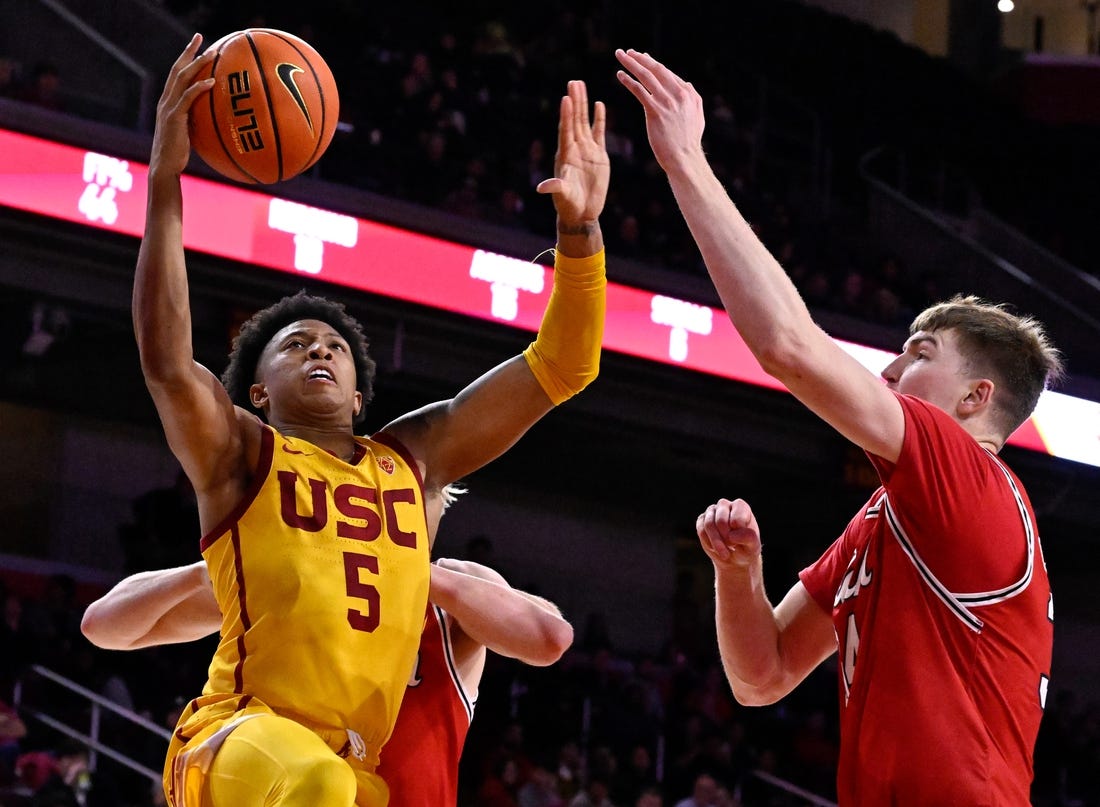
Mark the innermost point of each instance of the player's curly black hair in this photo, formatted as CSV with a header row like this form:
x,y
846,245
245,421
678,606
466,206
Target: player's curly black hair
x,y
257,331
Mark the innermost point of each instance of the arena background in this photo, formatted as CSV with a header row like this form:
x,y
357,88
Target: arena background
x,y
949,137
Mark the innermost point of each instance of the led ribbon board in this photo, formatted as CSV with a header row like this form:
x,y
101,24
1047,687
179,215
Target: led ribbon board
x,y
98,190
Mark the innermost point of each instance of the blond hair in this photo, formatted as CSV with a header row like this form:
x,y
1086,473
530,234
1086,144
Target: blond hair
x,y
1012,351
450,494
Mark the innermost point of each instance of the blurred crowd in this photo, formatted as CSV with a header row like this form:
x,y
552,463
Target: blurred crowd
x,y
457,113
39,85
602,727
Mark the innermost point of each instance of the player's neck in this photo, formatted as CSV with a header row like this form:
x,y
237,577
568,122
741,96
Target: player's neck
x,y
340,442
983,433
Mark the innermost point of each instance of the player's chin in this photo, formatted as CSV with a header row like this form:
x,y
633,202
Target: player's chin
x,y
326,403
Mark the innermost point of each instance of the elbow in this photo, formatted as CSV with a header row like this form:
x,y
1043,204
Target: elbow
x,y
556,639
95,630
586,377
89,624
159,371
794,351
770,686
562,380
92,628
782,356
561,639
752,696
761,686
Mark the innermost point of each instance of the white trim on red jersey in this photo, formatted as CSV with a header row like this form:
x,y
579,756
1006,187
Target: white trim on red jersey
x,y
448,654
961,603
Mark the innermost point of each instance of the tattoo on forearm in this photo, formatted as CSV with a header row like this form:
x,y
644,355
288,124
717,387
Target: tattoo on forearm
x,y
583,228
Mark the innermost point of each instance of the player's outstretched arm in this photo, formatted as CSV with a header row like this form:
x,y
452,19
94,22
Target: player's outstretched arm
x,y
453,438
166,606
198,417
759,297
506,620
766,652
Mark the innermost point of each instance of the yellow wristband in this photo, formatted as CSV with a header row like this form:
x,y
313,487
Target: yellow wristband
x,y
565,356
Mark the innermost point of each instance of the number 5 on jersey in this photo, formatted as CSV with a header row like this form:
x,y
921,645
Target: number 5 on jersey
x,y
356,588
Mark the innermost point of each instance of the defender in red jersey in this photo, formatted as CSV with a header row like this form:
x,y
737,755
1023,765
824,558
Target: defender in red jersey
x,y
936,595
472,610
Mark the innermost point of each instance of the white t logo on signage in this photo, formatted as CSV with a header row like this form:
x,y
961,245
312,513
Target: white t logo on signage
x,y
684,318
507,277
312,228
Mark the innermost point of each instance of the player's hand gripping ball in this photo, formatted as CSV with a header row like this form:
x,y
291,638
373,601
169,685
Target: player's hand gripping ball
x,y
272,111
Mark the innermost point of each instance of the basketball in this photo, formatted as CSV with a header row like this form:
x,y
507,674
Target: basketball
x,y
272,111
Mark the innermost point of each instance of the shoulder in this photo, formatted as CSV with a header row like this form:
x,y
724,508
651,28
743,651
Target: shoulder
x,y
390,443
934,439
255,434
923,413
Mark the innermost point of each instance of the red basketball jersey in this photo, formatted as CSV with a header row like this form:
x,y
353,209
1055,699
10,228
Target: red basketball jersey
x,y
944,620
420,760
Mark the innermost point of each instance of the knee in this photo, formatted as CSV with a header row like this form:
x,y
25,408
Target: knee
x,y
324,782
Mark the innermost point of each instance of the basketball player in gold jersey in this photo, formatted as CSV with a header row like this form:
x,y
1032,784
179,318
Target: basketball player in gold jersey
x,y
316,540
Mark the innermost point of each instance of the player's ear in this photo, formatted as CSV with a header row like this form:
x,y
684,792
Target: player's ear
x,y
257,394
978,398
357,406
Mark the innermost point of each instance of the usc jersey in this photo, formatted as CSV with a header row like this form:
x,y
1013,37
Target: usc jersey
x,y
322,577
944,619
420,760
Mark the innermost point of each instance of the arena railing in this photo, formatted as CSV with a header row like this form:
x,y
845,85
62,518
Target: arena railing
x,y
98,79
944,247
799,794
92,738
792,790
98,703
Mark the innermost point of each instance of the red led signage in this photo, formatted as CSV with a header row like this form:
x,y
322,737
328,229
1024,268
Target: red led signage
x,y
256,228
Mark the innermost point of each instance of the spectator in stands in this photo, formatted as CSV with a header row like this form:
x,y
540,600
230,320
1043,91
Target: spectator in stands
x,y
35,770
704,793
9,85
594,794
571,766
12,730
59,603
620,146
48,625
884,307
891,273
74,783
16,643
634,777
44,87
851,297
498,62
500,787
540,790
814,751
165,523
817,289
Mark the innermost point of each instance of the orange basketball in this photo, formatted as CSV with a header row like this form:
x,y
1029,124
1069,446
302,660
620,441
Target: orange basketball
x,y
272,110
